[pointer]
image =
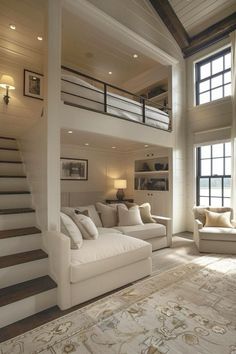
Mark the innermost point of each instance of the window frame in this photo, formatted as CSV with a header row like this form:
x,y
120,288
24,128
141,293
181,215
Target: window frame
x,y
211,176
207,60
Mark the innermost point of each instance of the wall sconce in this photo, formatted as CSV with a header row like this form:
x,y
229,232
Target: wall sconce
x,y
7,83
120,185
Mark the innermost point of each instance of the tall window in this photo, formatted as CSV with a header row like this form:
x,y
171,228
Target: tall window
x,y
214,174
213,77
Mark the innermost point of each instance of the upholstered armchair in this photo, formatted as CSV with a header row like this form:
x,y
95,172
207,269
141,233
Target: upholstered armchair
x,y
214,239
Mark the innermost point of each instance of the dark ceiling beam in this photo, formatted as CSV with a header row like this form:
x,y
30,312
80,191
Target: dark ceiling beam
x,y
168,16
204,39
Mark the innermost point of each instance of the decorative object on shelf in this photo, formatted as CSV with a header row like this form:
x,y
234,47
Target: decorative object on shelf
x,y
7,83
145,167
74,169
113,201
120,185
33,84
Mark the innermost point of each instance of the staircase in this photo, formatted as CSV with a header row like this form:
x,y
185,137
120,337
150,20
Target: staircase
x,y
25,287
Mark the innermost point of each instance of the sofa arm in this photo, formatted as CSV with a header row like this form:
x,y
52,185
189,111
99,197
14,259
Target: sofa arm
x,y
233,222
59,265
197,226
167,222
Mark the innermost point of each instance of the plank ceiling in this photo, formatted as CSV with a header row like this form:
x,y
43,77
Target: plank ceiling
x,y
197,15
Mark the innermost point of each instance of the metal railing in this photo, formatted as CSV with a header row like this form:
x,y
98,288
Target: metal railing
x,y
104,105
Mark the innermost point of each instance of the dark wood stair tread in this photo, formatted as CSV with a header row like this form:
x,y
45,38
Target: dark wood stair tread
x,y
19,232
14,192
7,138
26,289
16,211
12,176
8,161
24,257
10,149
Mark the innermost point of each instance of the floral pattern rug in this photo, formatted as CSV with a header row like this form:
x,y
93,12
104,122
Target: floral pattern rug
x,y
189,309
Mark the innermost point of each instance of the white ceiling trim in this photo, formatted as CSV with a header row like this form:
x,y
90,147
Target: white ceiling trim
x,y
118,31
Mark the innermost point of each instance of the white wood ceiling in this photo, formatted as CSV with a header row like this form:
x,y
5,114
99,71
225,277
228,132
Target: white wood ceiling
x,y
197,15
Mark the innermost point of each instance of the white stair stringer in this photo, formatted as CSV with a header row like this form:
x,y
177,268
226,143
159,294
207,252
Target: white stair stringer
x,y
23,272
27,307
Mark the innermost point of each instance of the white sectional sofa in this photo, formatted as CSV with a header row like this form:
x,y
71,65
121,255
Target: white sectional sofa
x,y
117,257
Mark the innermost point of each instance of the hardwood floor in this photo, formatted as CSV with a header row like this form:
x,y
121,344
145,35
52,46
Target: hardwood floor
x,y
182,251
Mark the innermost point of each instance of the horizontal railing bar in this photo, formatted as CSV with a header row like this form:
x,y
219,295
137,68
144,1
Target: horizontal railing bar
x,y
110,85
84,98
138,114
114,115
88,88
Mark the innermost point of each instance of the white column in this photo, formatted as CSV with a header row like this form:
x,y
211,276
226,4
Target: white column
x,y
233,66
53,88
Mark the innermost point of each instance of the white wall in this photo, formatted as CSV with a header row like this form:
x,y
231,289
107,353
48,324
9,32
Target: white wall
x,y
206,123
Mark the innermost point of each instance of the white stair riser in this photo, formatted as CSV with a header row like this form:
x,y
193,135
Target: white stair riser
x,y
11,201
13,184
12,169
7,143
16,221
20,244
27,307
23,272
10,155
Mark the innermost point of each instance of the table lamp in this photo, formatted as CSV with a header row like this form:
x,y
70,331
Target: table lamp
x,y
120,185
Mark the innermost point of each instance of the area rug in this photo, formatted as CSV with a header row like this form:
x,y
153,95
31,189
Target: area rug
x,y
189,309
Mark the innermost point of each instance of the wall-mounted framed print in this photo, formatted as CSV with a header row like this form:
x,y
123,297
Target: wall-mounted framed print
x,y
74,169
33,84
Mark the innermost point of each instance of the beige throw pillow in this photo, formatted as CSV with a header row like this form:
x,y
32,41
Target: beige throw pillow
x,y
145,213
108,214
70,229
129,217
87,227
218,219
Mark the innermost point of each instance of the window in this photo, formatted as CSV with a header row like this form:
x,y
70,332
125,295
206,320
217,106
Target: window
x,y
213,77
214,175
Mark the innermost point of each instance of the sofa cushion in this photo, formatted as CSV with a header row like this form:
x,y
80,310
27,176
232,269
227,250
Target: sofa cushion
x,y
129,217
218,219
144,232
108,230
217,234
87,227
108,214
70,229
90,209
108,252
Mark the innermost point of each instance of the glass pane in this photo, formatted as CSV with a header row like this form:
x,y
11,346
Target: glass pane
x,y
227,90
227,149
217,166
204,201
217,93
217,65
216,187
227,187
218,150
204,187
216,202
205,152
204,86
228,61
217,81
228,165
204,97
227,77
206,167
227,202
205,71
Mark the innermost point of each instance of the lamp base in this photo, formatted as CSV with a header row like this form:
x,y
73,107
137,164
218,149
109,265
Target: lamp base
x,y
120,194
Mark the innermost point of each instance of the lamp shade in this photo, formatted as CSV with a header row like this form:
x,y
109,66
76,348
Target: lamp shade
x,y
7,81
120,183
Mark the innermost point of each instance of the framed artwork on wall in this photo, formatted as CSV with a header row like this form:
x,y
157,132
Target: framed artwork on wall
x,y
33,84
74,169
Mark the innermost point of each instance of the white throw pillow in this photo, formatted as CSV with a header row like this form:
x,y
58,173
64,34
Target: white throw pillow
x,y
129,217
70,229
92,213
86,226
108,214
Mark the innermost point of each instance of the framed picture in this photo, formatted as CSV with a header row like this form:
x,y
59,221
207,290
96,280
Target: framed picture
x,y
33,84
74,169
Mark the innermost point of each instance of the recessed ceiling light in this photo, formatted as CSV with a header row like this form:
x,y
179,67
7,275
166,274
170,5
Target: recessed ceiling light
x,y
113,147
110,73
69,132
87,144
146,146
135,56
12,26
39,38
